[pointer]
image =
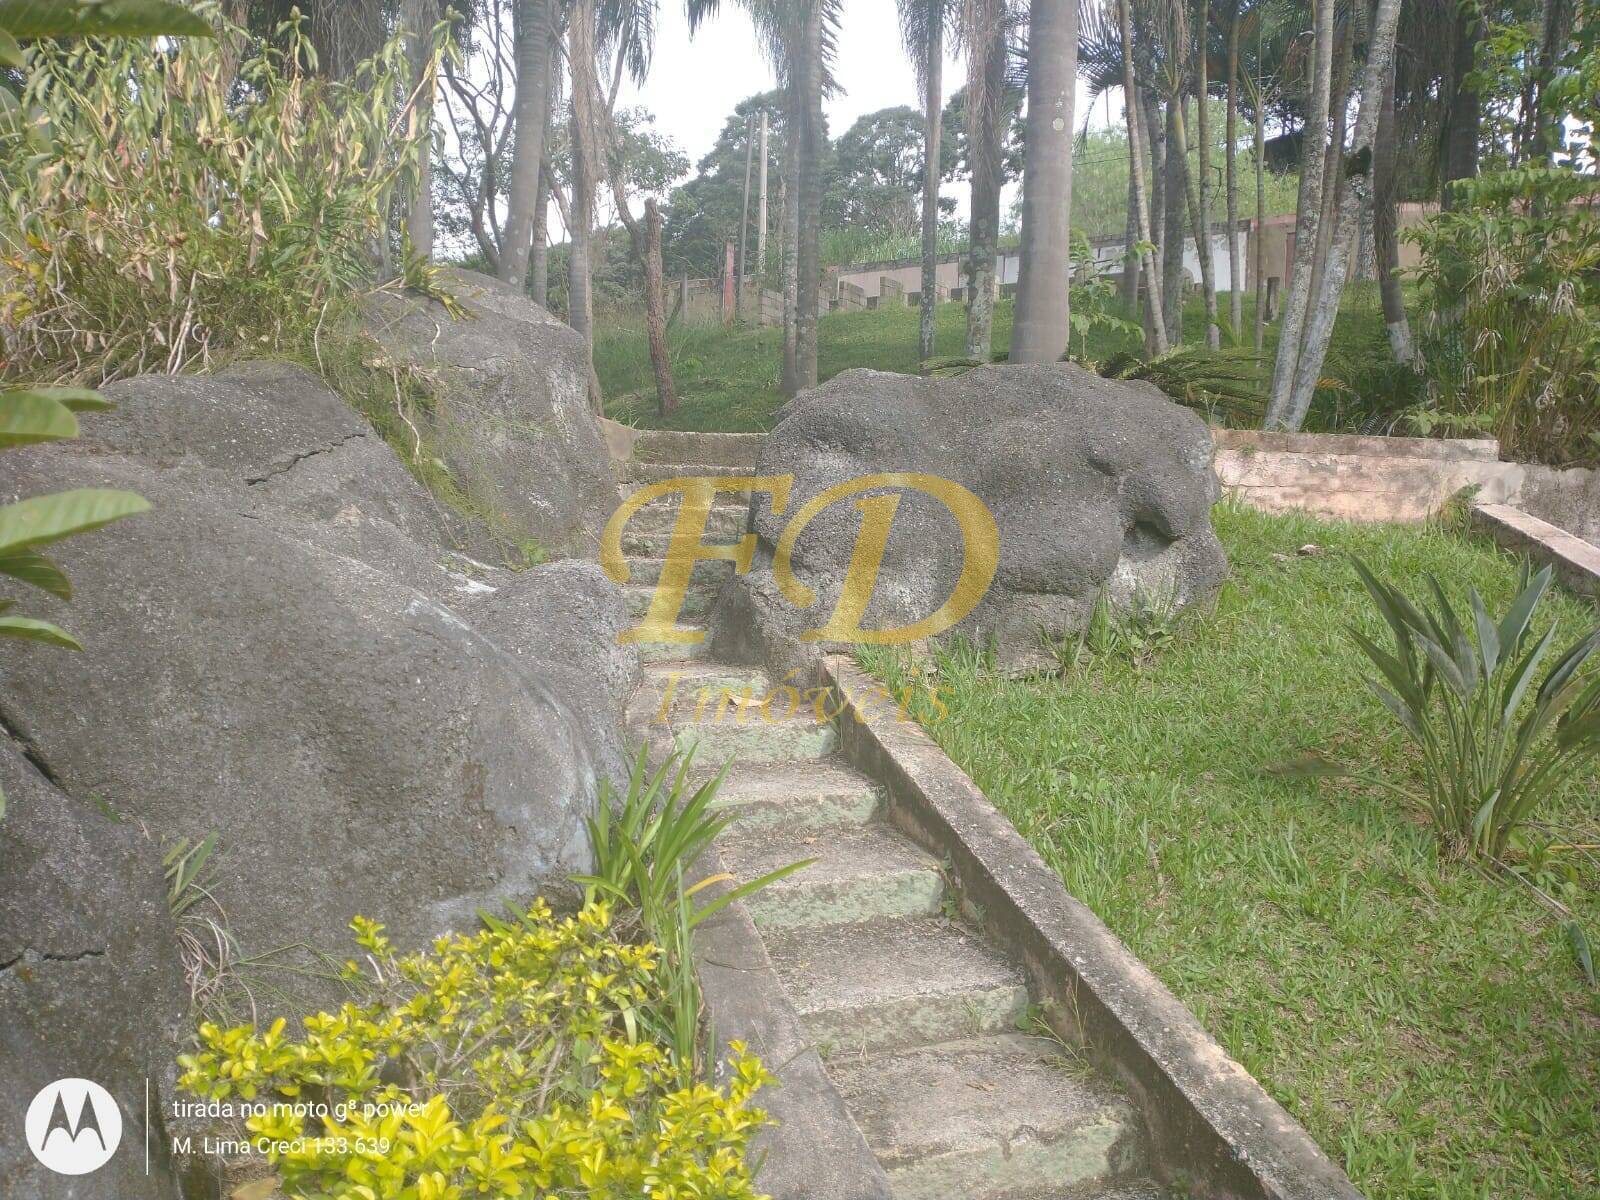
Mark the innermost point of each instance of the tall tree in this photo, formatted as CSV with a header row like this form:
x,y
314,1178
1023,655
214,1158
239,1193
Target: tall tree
x,y
1040,329
583,145
922,29
417,19
1308,210
1385,227
1201,209
815,37
531,23
1356,170
1230,152
984,34
1156,325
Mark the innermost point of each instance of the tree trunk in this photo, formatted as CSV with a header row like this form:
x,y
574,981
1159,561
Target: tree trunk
x,y
744,221
791,232
1155,327
1260,146
654,305
1385,231
1128,285
539,255
1332,177
1231,182
933,120
1040,329
1308,208
417,18
1464,110
1173,275
1195,202
1200,206
532,33
580,60
808,251
1319,328
985,114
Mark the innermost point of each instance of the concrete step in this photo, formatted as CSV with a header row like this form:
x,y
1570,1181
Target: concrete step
x,y
655,472
644,571
860,874
697,601
668,446
649,529
989,1118
669,652
888,984
799,796
654,544
1132,1189
741,732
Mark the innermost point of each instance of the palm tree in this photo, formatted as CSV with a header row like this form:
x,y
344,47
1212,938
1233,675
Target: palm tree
x,y
922,30
532,40
984,35
585,145
1308,210
1039,332
1356,173
798,37
1230,168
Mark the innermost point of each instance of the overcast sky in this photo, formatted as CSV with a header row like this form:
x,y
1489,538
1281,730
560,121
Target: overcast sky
x,y
695,83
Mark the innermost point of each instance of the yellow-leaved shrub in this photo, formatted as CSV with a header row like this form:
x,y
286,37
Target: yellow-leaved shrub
x,y
506,1063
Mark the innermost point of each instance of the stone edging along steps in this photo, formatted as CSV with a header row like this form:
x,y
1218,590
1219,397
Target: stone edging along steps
x,y
946,1021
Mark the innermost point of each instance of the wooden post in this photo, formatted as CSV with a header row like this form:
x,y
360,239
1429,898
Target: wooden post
x,y
744,224
761,211
727,282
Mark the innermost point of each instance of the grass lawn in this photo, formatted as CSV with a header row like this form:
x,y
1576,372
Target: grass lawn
x,y
1430,1026
728,379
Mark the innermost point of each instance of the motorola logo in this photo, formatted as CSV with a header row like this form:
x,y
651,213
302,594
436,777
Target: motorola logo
x,y
73,1126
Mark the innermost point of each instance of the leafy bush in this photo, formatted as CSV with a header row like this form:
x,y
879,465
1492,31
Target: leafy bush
x,y
505,1063
1493,746
1512,280
645,847
161,209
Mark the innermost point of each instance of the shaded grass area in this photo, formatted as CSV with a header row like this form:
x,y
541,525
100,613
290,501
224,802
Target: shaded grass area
x,y
729,379
1430,1026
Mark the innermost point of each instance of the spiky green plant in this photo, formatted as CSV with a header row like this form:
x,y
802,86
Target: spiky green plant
x,y
1494,746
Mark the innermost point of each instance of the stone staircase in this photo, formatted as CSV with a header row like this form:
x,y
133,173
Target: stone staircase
x,y
927,1031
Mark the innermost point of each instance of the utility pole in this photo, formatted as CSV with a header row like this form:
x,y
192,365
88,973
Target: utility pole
x,y
761,210
744,222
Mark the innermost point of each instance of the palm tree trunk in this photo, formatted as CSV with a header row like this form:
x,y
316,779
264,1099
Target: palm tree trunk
x,y
1386,249
539,255
1231,172
533,95
791,256
744,219
1308,209
1200,208
1261,202
1039,331
1156,329
580,60
933,120
417,18
808,259
985,114
1319,327
1173,275
1463,113
1332,177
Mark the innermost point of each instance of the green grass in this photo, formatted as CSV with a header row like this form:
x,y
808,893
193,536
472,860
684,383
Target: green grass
x,y
1429,1025
728,379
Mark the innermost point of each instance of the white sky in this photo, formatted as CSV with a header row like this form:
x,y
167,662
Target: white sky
x,y
695,83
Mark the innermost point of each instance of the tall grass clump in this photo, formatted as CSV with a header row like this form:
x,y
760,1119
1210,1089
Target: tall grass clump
x,y
164,203
1498,736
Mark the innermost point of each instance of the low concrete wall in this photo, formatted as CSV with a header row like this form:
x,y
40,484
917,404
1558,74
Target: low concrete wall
x,y
1397,479
1575,561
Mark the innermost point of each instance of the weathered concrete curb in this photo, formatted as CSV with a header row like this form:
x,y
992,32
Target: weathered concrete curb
x,y
1200,1106
1576,562
816,1150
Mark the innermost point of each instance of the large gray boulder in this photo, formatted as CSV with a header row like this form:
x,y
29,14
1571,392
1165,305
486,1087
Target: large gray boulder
x,y
1095,485
90,983
285,652
510,414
